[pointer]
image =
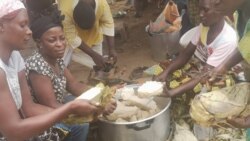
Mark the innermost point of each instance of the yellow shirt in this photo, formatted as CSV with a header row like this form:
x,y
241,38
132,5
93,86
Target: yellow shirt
x,y
104,24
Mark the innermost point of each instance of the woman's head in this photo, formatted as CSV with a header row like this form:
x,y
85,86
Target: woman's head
x,y
208,14
14,24
52,43
48,32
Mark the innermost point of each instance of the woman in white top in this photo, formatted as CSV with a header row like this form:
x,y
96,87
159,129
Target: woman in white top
x,y
14,92
211,49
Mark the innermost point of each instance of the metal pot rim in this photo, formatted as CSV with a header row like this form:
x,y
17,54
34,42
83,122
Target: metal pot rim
x,y
142,120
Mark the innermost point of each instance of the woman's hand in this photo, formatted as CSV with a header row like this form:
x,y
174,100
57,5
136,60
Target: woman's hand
x,y
83,107
217,72
239,122
110,108
166,92
113,55
162,77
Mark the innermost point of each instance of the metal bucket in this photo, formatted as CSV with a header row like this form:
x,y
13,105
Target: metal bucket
x,y
164,44
155,128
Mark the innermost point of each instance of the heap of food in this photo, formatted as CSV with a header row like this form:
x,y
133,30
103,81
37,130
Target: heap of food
x,y
136,103
190,70
100,95
177,79
214,107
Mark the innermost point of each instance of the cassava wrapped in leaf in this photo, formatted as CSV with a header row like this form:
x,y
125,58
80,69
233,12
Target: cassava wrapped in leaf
x,y
100,94
214,107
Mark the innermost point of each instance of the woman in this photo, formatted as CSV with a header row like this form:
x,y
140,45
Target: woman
x,y
226,7
15,97
46,65
210,50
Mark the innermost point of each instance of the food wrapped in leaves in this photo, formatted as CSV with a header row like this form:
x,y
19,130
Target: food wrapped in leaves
x,y
100,94
174,84
186,67
214,107
177,74
197,88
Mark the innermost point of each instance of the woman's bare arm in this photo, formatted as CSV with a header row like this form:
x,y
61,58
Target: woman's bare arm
x,y
11,124
43,89
73,86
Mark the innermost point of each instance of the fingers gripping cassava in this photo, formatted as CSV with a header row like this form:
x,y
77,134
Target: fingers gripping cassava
x,y
214,107
99,94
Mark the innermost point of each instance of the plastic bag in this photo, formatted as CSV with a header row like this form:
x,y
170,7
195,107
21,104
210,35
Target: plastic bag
x,y
168,21
171,12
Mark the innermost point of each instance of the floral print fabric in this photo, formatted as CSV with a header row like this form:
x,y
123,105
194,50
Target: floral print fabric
x,y
39,65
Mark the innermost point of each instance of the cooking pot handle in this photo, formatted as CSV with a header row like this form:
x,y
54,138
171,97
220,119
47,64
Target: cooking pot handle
x,y
141,126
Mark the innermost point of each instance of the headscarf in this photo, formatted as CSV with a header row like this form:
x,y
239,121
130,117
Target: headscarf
x,y
9,6
41,22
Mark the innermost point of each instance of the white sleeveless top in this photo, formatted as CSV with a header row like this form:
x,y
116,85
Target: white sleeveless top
x,y
15,65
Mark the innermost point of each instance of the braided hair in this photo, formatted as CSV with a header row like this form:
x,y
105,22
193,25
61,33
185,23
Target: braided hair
x,y
44,20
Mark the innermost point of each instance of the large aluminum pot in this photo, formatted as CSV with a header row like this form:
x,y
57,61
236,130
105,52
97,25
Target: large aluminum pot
x,y
155,128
